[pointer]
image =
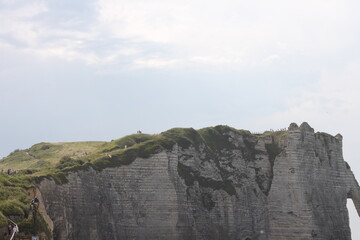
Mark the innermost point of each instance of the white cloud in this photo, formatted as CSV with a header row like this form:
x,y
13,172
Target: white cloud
x,y
332,100
247,30
21,29
155,63
237,33
16,23
271,59
216,60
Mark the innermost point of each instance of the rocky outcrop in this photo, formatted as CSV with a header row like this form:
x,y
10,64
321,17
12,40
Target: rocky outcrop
x,y
310,188
288,185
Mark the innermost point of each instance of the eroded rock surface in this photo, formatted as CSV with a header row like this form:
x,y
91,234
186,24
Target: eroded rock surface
x,y
291,186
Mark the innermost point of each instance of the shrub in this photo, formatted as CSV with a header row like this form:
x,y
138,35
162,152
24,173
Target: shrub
x,y
3,220
67,161
12,208
29,226
15,151
12,192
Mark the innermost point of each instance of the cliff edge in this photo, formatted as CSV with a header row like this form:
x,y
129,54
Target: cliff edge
x,y
214,183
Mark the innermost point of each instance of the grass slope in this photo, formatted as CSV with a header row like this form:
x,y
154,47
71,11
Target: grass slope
x,y
47,155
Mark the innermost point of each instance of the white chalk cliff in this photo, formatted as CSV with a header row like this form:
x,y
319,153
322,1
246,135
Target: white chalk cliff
x,y
293,185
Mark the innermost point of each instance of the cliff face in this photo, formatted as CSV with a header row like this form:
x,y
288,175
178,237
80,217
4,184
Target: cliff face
x,y
293,186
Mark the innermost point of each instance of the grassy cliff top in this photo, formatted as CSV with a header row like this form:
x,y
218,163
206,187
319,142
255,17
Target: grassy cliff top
x,y
45,158
44,155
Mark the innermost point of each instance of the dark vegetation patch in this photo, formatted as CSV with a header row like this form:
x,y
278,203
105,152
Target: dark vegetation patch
x,y
190,176
273,150
184,137
31,226
249,151
67,161
3,220
59,177
217,138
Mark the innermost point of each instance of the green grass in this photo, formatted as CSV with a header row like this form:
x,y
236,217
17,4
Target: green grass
x,y
56,160
14,203
47,155
127,141
13,192
13,208
3,220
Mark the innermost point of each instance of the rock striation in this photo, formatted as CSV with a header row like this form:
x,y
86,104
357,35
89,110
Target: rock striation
x,y
291,184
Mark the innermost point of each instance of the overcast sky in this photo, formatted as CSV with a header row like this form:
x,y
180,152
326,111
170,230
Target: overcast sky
x,y
99,70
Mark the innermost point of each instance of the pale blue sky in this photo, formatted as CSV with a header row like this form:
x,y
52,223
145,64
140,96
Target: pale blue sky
x,y
102,69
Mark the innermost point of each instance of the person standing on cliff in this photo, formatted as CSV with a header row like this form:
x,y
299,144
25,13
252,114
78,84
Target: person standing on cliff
x,y
9,227
15,230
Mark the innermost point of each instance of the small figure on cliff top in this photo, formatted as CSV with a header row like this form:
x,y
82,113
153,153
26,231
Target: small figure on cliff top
x,y
34,204
35,200
9,226
15,230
